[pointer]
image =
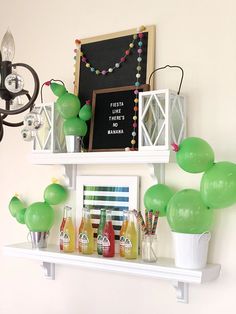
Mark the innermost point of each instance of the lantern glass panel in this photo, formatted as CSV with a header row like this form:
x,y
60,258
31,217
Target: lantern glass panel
x,y
154,120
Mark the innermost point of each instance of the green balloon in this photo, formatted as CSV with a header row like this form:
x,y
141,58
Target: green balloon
x,y
58,89
75,126
195,155
218,185
20,216
15,205
186,213
85,112
55,194
157,197
68,105
39,217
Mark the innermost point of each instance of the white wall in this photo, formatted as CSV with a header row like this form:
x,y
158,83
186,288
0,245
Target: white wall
x,y
199,36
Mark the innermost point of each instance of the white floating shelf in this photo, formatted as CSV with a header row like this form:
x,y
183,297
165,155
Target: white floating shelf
x,y
118,157
163,269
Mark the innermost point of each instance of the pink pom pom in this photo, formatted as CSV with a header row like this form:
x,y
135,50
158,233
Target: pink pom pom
x,y
135,125
140,35
84,59
175,147
122,59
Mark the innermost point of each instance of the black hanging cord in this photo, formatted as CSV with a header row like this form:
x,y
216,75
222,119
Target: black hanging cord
x,y
48,84
169,66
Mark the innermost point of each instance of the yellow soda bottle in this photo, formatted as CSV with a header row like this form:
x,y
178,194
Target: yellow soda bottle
x,y
87,239
122,233
131,237
68,232
79,236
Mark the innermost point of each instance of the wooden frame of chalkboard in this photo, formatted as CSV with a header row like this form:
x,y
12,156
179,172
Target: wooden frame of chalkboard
x,y
103,52
112,120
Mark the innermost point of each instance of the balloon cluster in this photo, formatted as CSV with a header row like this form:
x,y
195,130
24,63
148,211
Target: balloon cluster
x,y
69,107
189,210
39,216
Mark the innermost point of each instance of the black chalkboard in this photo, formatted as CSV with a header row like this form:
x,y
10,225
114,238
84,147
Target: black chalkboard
x,y
103,52
112,122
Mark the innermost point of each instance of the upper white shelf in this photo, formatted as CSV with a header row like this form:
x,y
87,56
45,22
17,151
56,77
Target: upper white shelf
x,y
163,269
118,157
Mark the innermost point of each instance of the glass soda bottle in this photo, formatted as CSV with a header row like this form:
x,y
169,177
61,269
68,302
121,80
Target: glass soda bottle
x,y
108,242
68,232
80,231
61,229
131,237
122,233
87,240
100,231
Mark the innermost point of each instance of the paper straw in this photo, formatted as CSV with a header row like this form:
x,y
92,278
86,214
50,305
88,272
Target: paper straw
x,y
149,225
146,218
154,227
141,222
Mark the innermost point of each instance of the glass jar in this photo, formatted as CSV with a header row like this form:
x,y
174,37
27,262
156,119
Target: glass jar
x,y
149,248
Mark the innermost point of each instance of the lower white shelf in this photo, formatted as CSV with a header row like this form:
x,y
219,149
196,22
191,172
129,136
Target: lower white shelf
x,y
163,269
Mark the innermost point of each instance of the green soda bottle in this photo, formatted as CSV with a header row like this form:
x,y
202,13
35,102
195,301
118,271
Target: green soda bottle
x,y
100,231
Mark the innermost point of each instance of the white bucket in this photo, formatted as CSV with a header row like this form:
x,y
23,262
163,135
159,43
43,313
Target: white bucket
x,y
191,249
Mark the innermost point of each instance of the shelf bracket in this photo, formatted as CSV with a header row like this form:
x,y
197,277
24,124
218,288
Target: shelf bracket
x,y
157,172
70,172
181,291
49,270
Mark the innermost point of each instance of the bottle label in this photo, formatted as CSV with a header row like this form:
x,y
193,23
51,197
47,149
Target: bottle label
x,y
84,240
128,243
99,240
122,240
105,242
66,239
61,235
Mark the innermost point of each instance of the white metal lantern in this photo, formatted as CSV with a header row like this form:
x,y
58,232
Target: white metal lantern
x,y
162,119
50,136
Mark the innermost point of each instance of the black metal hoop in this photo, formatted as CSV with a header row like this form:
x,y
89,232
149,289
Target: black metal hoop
x,y
15,124
169,66
34,96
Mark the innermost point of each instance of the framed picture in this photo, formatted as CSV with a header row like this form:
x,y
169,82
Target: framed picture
x,y
114,124
117,193
104,52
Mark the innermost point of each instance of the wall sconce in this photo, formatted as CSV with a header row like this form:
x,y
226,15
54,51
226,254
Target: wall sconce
x,y
12,84
162,117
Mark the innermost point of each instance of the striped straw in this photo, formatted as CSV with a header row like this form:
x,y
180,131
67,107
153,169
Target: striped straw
x,y
141,222
154,227
149,225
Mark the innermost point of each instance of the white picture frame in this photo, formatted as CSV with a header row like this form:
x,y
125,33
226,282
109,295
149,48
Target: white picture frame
x,y
114,192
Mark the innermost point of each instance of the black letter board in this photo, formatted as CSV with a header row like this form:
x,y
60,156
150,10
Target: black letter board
x,y
112,122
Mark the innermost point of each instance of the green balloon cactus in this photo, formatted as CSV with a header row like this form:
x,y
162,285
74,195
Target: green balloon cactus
x,y
69,107
39,216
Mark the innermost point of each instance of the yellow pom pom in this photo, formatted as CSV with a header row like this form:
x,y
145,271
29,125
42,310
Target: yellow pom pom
x,y
54,180
141,28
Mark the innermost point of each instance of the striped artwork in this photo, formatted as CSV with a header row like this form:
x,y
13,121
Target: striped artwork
x,y
117,193
115,198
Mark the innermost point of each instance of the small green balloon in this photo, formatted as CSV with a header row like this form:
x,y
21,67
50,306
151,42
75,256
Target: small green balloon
x,y
186,213
58,89
15,205
195,155
39,217
85,113
75,126
157,197
55,194
20,216
218,185
68,105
